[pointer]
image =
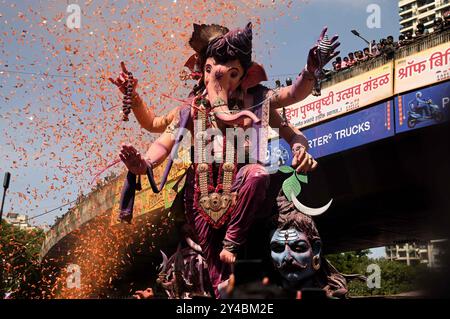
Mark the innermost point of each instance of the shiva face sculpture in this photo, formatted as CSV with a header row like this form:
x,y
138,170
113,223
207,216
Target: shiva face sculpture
x,y
294,256
296,251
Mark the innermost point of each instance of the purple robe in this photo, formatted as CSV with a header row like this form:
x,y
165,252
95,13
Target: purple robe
x,y
250,185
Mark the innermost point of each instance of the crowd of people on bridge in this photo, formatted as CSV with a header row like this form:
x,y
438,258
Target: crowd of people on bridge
x,y
384,47
387,46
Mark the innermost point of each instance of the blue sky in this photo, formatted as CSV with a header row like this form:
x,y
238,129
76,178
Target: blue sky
x,y
341,16
378,252
281,46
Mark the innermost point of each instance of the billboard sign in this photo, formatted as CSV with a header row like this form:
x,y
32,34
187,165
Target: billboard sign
x,y
350,131
423,107
422,69
344,97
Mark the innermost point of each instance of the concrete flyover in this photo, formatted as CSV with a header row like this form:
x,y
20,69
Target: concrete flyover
x,y
103,203
388,190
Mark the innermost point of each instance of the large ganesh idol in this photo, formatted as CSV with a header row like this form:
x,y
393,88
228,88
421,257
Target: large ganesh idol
x,y
222,192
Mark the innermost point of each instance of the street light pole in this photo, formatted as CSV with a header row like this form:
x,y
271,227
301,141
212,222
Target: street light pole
x,y
365,40
5,187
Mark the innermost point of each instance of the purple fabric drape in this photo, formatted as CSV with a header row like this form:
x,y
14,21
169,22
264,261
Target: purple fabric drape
x,y
127,198
129,188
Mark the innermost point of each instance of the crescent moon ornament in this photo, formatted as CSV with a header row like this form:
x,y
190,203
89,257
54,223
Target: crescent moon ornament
x,y
308,210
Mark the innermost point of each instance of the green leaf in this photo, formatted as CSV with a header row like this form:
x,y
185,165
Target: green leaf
x,y
302,178
290,185
286,169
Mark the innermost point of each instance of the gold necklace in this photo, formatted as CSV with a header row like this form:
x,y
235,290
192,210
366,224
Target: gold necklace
x,y
213,202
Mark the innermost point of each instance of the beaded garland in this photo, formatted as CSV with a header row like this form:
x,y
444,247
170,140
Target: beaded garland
x,y
127,98
213,202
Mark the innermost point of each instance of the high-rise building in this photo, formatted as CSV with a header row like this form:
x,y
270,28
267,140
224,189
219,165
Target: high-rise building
x,y
18,220
413,12
429,253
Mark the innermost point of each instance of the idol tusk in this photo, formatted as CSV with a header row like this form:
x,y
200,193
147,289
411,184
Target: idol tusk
x,y
194,245
163,266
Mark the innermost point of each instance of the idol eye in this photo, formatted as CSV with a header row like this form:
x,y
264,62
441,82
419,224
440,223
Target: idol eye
x,y
208,69
276,247
300,248
234,74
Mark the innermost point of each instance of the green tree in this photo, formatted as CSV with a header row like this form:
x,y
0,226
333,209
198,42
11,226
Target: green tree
x,y
396,277
350,262
19,258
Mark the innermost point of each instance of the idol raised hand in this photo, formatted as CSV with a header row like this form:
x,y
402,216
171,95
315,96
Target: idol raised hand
x,y
127,85
121,80
322,52
144,115
309,79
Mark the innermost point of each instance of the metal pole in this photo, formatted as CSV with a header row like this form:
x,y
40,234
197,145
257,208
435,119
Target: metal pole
x,y
5,188
365,40
369,43
360,36
3,203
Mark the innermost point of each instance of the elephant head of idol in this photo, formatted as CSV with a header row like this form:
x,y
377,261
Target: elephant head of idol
x,y
223,64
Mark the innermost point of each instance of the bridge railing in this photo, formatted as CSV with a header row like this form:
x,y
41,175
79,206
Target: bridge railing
x,y
422,44
105,201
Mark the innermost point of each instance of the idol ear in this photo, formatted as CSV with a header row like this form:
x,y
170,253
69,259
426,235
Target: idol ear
x,y
191,62
255,75
316,247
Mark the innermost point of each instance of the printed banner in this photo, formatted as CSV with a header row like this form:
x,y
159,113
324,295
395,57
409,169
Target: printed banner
x,y
421,108
350,131
343,97
422,69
